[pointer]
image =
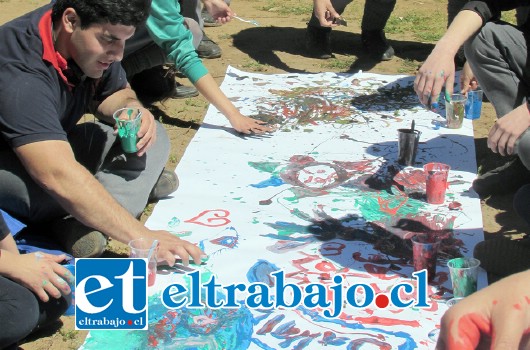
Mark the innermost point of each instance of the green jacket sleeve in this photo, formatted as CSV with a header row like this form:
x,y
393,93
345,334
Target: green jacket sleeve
x,y
166,27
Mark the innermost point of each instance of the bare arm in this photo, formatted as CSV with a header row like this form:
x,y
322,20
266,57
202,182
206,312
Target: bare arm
x,y
209,89
219,10
439,69
53,166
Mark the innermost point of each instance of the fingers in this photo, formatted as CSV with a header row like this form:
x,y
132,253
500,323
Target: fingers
x,y
509,324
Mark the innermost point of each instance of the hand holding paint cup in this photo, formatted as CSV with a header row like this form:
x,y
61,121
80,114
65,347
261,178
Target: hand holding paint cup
x,y
128,121
146,248
425,253
455,111
436,182
464,274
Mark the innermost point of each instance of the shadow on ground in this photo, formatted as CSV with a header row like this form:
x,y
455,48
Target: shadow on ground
x,y
262,43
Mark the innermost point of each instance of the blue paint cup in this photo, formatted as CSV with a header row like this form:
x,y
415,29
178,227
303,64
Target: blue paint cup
x,y
473,105
71,310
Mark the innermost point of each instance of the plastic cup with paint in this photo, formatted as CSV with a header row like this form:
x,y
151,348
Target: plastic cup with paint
x,y
128,121
473,106
408,140
146,248
464,274
71,309
436,182
425,253
455,111
452,302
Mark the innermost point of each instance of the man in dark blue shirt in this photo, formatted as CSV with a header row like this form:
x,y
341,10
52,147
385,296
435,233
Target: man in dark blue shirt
x,y
56,64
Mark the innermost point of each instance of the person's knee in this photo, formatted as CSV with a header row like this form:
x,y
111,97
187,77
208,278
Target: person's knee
x,y
521,202
19,316
479,45
195,30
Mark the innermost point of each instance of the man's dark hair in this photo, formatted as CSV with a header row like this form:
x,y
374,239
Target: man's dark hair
x,y
124,12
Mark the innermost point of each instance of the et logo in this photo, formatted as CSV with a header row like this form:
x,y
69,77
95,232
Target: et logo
x,y
111,294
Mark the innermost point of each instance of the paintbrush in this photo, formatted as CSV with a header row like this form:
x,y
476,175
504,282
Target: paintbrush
x,y
447,96
412,126
152,250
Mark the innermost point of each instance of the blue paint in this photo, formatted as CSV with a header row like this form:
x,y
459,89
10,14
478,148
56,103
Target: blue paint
x,y
271,182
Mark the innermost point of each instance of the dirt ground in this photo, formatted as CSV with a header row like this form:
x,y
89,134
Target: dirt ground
x,y
276,46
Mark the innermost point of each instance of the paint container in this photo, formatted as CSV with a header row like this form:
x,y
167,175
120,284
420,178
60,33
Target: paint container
x,y
71,309
473,106
436,182
425,253
452,302
141,248
408,140
464,274
455,111
128,121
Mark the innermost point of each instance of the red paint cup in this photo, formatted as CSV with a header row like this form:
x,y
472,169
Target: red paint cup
x,y
425,253
141,248
436,182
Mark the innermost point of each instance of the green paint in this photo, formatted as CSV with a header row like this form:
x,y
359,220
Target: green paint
x,y
268,167
237,198
255,220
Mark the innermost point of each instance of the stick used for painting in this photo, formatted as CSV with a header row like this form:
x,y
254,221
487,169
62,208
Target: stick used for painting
x,y
152,249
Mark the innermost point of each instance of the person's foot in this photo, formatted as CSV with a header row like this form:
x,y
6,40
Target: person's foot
x,y
318,42
77,239
502,256
208,48
374,41
183,91
158,84
208,19
505,179
166,184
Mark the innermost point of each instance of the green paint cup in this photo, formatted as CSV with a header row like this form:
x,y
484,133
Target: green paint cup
x,y
464,274
128,121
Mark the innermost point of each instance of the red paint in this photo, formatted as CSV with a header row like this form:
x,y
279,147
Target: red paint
x,y
151,277
468,330
436,182
517,307
217,215
382,301
384,321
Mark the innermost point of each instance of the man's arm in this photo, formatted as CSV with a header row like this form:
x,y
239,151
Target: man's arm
x,y
439,69
53,166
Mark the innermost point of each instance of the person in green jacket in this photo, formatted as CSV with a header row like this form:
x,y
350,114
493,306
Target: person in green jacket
x,y
166,39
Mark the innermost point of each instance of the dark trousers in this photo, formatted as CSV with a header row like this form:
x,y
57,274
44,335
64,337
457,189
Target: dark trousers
x,y
22,312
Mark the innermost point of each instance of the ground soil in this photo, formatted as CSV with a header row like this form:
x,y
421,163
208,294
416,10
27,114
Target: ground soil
x,y
276,46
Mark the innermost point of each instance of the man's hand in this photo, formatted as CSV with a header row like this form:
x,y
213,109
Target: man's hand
x,y
467,79
147,132
437,71
497,317
219,10
247,125
172,248
39,272
506,130
325,13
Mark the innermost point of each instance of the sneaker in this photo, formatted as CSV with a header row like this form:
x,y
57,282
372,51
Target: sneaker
x,y
505,179
374,41
158,84
183,91
208,48
208,19
503,256
166,184
318,42
77,239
